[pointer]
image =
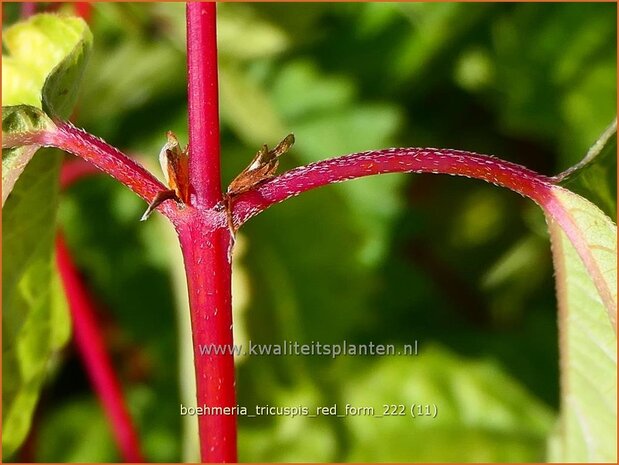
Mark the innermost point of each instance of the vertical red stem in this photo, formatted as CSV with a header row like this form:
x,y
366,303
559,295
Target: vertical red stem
x,y
91,348
209,281
203,103
205,248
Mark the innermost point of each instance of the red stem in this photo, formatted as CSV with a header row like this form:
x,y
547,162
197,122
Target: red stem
x,y
107,158
539,188
205,246
91,348
202,92
209,284
416,160
102,155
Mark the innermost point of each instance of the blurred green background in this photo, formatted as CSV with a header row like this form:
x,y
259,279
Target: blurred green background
x,y
461,266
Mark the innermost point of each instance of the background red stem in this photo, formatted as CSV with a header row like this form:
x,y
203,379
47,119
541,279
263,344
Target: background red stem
x,y
28,9
75,169
206,248
91,348
83,10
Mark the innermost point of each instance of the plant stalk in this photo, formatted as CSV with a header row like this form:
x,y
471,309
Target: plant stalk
x,y
206,248
208,272
203,100
105,157
396,160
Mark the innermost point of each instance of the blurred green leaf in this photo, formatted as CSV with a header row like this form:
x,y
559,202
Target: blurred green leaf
x,y
433,29
483,414
47,55
556,73
76,432
243,34
328,120
247,109
587,431
511,279
301,90
35,321
130,78
372,202
286,438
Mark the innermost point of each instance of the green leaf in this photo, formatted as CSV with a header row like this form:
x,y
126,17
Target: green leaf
x,y
483,415
17,120
24,118
586,280
35,322
47,55
51,52
61,87
19,83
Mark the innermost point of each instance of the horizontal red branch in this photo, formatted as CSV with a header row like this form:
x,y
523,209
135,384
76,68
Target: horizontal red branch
x,y
105,157
100,154
541,189
396,160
